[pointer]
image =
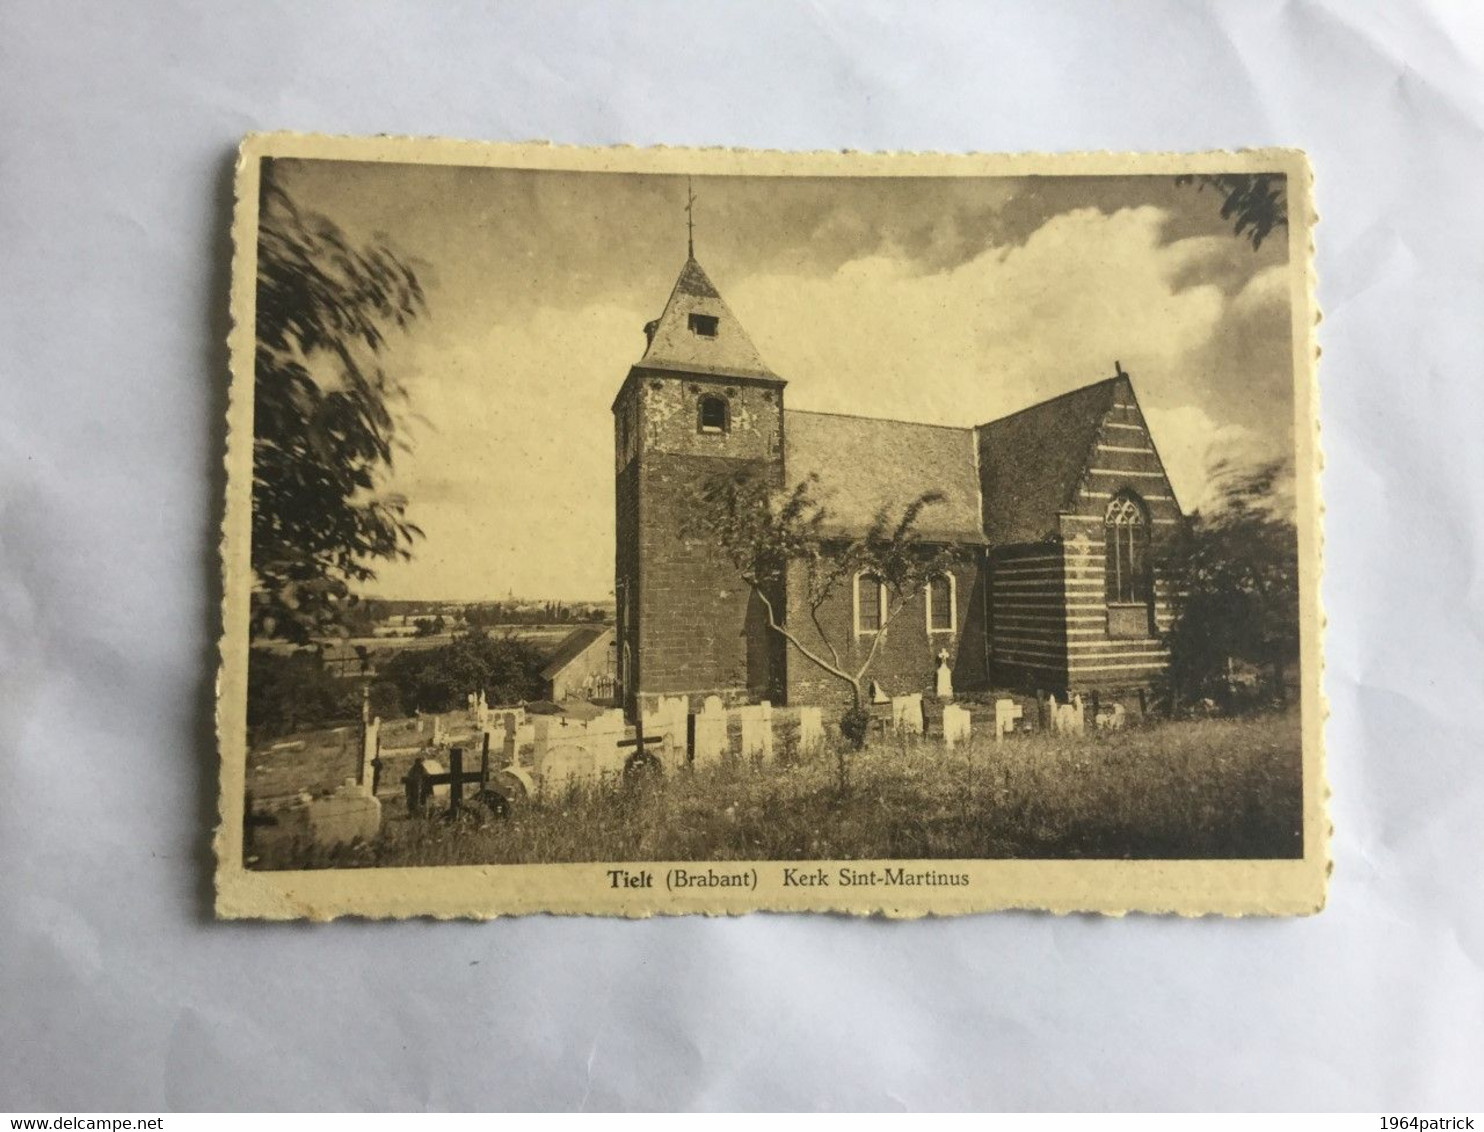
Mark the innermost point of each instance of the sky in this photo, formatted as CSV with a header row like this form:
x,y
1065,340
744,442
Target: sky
x,y
943,300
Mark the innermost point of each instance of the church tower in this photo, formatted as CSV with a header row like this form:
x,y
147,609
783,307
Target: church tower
x,y
700,402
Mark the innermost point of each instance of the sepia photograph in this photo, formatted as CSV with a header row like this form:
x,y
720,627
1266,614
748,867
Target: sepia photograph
x,y
759,532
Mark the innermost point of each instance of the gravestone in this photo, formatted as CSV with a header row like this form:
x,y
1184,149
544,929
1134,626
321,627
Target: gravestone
x,y
559,753
417,788
370,749
514,783
478,710
811,730
956,725
945,677
757,731
1068,718
906,714
604,734
1006,712
564,750
518,734
351,813
667,721
711,731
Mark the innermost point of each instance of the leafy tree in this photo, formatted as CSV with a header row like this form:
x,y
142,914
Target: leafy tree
x,y
1256,203
506,668
287,692
766,532
1234,569
327,417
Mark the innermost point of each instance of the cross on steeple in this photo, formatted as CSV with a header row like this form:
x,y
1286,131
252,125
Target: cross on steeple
x,y
690,220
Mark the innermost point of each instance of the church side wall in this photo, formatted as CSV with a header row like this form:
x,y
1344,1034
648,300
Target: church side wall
x,y
905,663
1030,605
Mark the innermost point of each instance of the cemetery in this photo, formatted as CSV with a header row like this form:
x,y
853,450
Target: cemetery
x,y
1007,775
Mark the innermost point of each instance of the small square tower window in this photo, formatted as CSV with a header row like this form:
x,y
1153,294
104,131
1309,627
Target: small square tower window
x,y
713,414
703,325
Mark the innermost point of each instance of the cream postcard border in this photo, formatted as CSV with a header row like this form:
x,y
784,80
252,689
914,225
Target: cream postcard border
x,y
1233,887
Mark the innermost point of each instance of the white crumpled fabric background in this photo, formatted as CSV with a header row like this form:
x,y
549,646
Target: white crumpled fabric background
x,y
119,992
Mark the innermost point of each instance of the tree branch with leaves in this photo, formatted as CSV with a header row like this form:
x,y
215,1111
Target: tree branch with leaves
x,y
1255,203
328,417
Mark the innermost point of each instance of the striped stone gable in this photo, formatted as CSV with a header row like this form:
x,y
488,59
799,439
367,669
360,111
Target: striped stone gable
x,y
1049,619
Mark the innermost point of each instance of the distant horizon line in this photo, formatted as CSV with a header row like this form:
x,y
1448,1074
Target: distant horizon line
x,y
488,600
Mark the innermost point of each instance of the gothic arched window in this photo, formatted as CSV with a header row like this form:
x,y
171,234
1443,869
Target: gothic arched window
x,y
1128,580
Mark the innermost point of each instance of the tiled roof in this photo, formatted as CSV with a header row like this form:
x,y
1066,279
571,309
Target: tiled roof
x,y
676,345
1031,461
573,645
864,464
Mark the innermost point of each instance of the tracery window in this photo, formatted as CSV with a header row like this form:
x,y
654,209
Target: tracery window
x,y
1128,580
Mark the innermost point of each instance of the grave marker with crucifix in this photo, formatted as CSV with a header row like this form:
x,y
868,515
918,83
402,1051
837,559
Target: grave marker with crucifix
x,y
641,759
420,781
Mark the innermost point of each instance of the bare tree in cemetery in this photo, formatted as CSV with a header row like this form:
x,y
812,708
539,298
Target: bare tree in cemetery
x,y
765,531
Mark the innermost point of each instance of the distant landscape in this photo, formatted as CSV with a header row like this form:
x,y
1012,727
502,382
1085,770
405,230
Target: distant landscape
x,y
396,658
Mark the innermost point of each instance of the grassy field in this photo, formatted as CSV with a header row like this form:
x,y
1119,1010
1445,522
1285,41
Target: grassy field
x,y
1218,788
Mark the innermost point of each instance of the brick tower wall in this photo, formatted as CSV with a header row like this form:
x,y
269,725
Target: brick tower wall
x,y
626,578
693,618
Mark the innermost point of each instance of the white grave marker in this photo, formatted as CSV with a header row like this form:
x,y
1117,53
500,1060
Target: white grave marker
x,y
811,730
711,731
1006,712
906,714
956,725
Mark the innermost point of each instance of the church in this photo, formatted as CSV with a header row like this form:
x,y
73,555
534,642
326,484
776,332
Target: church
x,y
1052,510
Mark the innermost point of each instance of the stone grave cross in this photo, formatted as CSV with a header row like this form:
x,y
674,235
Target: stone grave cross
x,y
945,677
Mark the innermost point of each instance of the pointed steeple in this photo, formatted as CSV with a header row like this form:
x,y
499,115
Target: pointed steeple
x,y
698,333
690,220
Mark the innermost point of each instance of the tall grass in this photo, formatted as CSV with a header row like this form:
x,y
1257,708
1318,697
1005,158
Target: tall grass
x,y
1218,788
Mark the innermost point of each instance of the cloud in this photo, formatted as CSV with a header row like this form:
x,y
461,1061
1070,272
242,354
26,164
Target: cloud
x,y
999,332
512,478
511,475
1192,445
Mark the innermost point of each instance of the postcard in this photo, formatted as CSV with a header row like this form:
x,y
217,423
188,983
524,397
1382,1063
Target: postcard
x,y
632,532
